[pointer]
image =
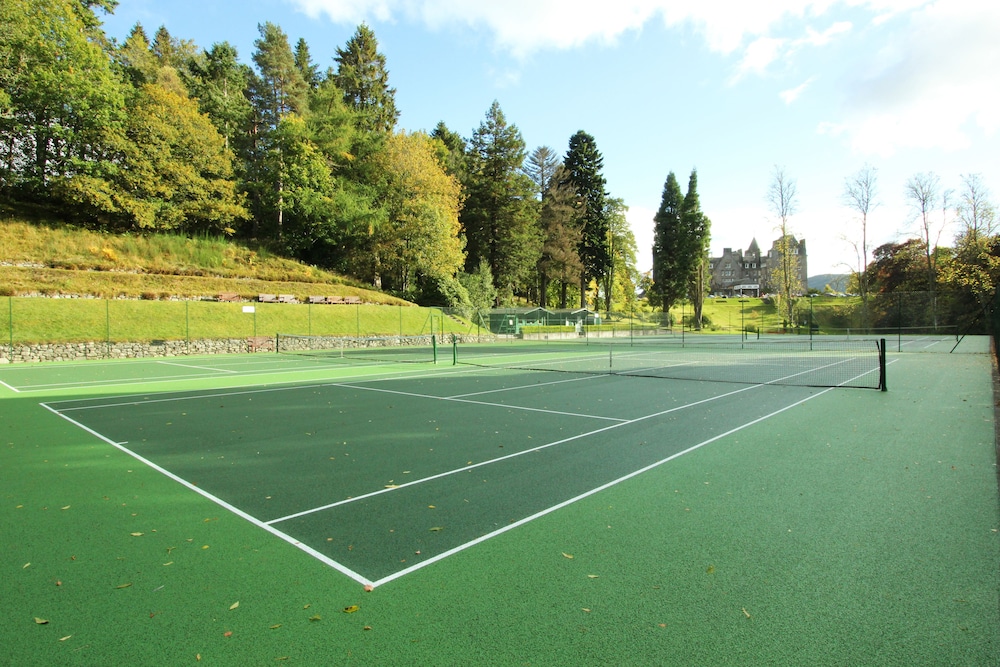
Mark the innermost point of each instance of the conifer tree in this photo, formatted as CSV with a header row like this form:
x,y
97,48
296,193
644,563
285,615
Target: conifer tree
x,y
364,79
669,277
583,164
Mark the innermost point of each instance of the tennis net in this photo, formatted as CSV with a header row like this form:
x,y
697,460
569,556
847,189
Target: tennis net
x,y
344,349
800,362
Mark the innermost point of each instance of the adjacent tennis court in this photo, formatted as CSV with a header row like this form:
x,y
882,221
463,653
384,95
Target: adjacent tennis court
x,y
380,469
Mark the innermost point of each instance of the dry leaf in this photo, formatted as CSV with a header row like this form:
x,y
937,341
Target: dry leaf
x,y
306,606
204,546
592,576
62,639
124,585
169,563
41,621
369,588
234,605
317,617
367,627
136,534
431,507
276,626
26,566
566,555
710,569
745,612
65,508
350,610
197,656
586,610
227,633
436,529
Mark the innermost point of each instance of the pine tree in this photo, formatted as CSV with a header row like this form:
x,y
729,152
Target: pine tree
x,y
669,277
695,226
500,216
303,61
560,260
362,75
541,167
583,164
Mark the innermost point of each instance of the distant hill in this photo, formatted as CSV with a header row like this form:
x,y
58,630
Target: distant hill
x,y
836,281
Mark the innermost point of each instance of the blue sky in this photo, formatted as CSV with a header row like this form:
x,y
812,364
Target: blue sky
x,y
730,87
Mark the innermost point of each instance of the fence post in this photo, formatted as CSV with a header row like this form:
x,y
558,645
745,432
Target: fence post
x,y
107,326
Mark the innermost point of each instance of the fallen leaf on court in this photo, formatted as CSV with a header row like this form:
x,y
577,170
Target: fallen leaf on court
x,y
41,621
586,610
367,627
204,546
592,576
227,633
26,566
436,529
392,486
62,639
306,606
124,585
431,507
65,508
58,583
170,563
663,625
197,656
317,617
276,626
710,569
745,612
369,588
136,534
566,555
234,605
350,610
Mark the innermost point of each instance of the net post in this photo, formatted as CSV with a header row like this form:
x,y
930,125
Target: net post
x,y
881,365
277,339
434,347
454,351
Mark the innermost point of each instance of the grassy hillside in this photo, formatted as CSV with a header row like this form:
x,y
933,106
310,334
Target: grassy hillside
x,y
50,260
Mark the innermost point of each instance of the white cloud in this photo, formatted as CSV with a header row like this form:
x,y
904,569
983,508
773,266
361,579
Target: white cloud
x,y
759,55
523,27
792,94
933,85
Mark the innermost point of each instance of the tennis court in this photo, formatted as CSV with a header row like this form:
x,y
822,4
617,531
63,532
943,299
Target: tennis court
x,y
382,472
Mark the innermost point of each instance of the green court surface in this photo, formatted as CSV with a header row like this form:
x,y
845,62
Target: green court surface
x,y
272,509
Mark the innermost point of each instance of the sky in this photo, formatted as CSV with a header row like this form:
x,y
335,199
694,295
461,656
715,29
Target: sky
x,y
734,89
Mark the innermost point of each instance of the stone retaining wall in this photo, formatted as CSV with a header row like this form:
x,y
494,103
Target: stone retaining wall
x,y
170,348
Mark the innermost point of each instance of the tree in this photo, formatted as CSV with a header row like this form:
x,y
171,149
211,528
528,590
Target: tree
x,y
64,103
499,220
453,156
541,168
671,267
583,164
861,194
307,68
174,175
560,259
277,92
620,281
782,197
421,237
975,268
696,228
218,82
364,80
137,58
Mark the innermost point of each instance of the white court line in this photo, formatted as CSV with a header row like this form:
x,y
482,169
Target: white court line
x,y
200,368
16,391
586,494
510,456
215,499
524,386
